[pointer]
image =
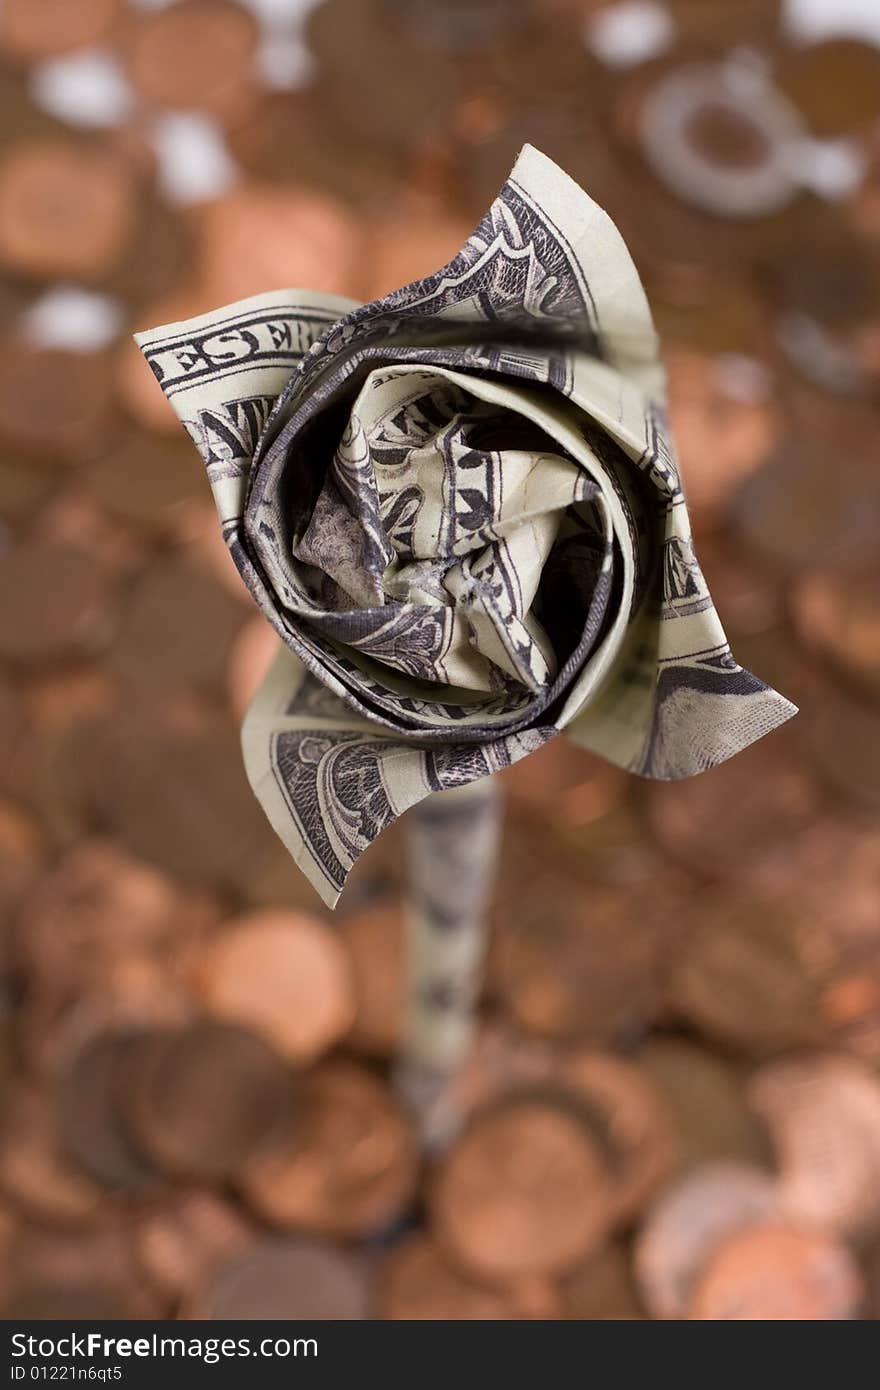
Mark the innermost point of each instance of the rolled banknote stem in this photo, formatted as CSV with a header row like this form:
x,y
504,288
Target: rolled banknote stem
x,y
452,855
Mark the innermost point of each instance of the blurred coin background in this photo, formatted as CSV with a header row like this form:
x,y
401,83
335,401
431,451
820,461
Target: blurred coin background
x,y
674,1107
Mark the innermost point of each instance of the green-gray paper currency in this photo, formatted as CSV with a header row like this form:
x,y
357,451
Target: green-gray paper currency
x,y
460,509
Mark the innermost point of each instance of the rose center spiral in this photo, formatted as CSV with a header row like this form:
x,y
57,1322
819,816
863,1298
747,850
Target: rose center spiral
x,y
431,534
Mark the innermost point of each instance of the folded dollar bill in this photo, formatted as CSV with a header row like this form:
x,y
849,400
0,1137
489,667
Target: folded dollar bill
x,y
460,509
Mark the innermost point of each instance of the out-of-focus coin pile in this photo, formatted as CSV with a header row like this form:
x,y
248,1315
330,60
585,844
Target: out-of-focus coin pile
x,y
674,1107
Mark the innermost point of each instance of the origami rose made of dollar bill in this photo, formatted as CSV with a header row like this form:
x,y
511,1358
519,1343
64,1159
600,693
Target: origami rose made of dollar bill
x,y
460,510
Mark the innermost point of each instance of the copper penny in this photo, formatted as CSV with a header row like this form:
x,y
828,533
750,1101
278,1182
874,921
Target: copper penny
x,y
778,1273
35,29
66,1017
161,255
351,37
750,597
98,903
39,1302
16,296
518,114
735,814
524,46
829,302
23,852
375,937
459,24
275,881
683,253
81,1273
418,1282
176,630
65,210
721,438
35,1172
706,1095
195,53
523,1192
381,868
97,944
409,241
850,1006
285,1279
835,616
146,484
842,732
262,235
182,1240
745,978
773,655
197,529
823,1113
250,657
576,959
61,606
834,83
54,404
790,515
66,791
296,137
872,1275
23,488
688,1222
723,26
174,793
844,358
732,321
284,974
200,1099
864,208
602,1289
58,699
613,849
91,1126
568,785
502,1062
72,519
345,1167
834,281
13,728
10,1226
633,1120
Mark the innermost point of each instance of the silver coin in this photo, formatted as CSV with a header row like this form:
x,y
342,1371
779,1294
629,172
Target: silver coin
x,y
721,138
